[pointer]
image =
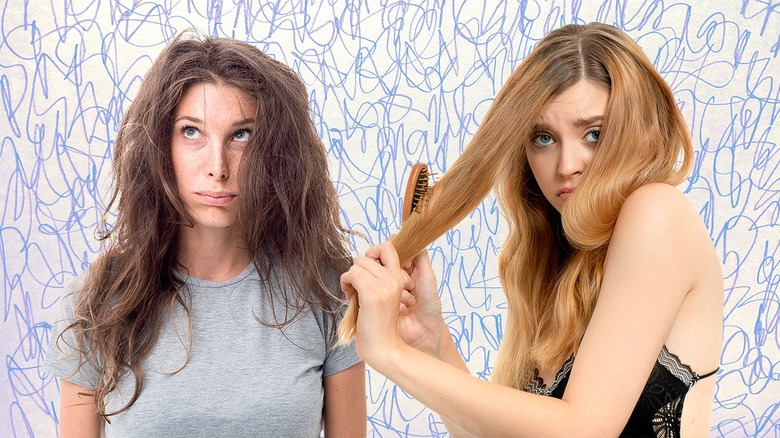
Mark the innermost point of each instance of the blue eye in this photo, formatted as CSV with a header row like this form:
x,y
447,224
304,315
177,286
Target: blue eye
x,y
543,139
592,136
242,135
190,132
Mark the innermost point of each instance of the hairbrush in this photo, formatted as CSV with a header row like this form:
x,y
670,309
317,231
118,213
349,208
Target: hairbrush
x,y
417,188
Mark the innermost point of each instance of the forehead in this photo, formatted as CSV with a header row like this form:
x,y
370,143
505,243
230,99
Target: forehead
x,y
585,99
209,99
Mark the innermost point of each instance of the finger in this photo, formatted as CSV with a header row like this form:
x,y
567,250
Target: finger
x,y
346,284
389,257
422,262
408,299
374,251
408,265
370,265
355,279
408,282
360,282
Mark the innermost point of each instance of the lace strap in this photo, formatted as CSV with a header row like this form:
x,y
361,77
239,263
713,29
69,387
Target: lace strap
x,y
537,386
672,362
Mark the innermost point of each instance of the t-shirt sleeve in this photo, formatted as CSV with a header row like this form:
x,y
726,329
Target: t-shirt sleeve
x,y
63,358
340,357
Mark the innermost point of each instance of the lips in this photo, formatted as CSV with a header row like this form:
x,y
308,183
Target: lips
x,y
216,198
565,192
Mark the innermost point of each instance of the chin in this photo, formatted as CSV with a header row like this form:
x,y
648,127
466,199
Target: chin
x,y
215,222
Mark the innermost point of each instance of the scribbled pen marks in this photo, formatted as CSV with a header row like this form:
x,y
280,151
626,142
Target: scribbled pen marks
x,y
390,85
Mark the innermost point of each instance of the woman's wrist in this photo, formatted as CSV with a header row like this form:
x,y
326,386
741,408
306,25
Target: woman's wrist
x,y
438,343
448,352
382,359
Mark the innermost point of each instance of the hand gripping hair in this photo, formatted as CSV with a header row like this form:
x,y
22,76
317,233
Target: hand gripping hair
x,y
417,188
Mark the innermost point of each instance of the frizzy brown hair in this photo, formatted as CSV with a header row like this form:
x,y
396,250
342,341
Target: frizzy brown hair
x,y
551,264
288,213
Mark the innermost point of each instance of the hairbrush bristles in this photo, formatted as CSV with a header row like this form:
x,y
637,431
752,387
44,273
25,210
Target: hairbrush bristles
x,y
416,189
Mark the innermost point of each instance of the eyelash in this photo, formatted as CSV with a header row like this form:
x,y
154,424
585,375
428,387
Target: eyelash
x,y
248,132
592,130
536,135
186,127
587,133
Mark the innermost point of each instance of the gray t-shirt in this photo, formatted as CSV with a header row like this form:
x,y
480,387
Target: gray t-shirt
x,y
242,378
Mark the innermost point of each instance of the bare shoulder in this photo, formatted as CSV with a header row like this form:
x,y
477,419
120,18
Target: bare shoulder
x,y
658,221
659,218
660,213
658,202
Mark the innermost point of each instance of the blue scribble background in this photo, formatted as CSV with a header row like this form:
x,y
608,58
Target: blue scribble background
x,y
391,83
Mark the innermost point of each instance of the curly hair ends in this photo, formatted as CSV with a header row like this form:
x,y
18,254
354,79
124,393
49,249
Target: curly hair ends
x,y
551,264
288,215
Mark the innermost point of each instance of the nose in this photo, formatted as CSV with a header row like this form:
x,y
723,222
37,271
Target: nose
x,y
216,164
574,157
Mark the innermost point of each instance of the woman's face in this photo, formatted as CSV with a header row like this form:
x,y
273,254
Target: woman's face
x,y
564,139
210,132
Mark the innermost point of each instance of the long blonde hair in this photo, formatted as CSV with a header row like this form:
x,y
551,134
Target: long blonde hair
x,y
551,264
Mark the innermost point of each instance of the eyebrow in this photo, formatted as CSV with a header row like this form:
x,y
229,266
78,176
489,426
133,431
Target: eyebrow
x,y
580,122
242,122
586,121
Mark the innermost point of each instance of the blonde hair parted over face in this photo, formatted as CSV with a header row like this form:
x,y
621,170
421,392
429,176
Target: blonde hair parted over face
x,y
551,264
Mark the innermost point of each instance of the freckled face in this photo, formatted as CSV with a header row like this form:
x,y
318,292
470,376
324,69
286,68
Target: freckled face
x,y
566,134
210,132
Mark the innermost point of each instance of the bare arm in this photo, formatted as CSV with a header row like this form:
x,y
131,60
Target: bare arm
x,y
345,403
78,413
650,268
448,353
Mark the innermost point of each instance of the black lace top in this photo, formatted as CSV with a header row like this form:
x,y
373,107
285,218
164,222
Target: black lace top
x,y
659,408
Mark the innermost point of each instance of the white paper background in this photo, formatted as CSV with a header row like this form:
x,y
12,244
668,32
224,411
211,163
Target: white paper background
x,y
390,84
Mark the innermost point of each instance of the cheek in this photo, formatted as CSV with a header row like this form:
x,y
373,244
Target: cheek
x,y
178,157
588,156
235,161
540,168
183,169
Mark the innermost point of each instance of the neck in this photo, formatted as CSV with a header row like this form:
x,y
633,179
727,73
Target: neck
x,y
212,255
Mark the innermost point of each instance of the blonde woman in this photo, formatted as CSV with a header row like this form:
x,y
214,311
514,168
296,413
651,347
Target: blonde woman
x,y
613,286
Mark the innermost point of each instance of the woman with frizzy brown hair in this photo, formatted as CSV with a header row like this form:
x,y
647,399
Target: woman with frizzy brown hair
x,y
213,306
613,286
